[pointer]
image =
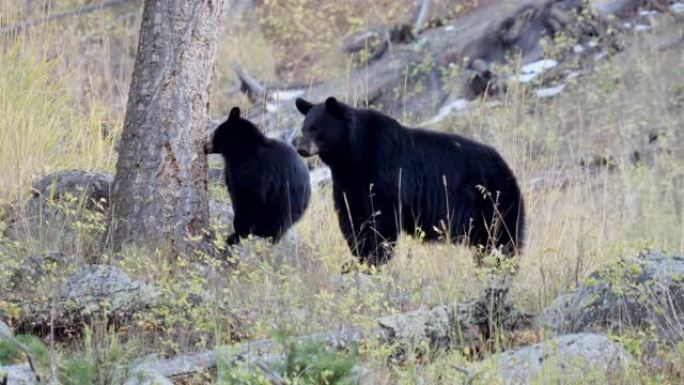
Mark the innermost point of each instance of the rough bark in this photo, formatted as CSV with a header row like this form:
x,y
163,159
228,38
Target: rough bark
x,y
160,189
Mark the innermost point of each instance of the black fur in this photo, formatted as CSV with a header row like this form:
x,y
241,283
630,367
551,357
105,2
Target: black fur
x,y
267,181
388,178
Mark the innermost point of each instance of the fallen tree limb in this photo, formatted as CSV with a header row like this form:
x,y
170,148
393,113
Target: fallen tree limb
x,y
399,81
422,15
7,335
408,80
255,91
23,26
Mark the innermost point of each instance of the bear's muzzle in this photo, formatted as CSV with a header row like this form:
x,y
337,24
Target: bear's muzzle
x,y
305,147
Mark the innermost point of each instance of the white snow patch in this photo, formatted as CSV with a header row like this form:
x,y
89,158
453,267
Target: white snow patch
x,y
532,70
271,107
641,27
677,8
551,91
572,74
449,28
648,12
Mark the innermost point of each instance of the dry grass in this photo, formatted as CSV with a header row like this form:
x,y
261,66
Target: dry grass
x,y
62,98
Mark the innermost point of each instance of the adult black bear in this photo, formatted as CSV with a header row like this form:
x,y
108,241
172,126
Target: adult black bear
x,y
267,181
387,177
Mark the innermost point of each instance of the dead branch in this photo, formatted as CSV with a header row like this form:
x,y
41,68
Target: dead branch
x,y
422,15
255,91
23,26
470,376
7,335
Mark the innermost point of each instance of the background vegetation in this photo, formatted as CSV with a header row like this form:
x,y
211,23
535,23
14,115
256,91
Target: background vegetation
x,y
63,89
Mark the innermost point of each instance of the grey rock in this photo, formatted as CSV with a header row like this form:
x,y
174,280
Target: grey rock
x,y
35,265
17,375
89,291
93,188
91,286
642,292
574,358
147,377
58,200
451,326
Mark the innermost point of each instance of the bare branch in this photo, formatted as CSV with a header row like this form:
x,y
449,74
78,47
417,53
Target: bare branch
x,y
255,91
422,15
7,335
23,26
272,377
470,376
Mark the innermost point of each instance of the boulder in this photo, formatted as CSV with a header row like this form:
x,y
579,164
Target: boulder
x,y
645,292
57,201
90,187
94,286
575,358
88,291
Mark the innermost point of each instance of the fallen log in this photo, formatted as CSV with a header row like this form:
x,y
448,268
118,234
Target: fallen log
x,y
407,81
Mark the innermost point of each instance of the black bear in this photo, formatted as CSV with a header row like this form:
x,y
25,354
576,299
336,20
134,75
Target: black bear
x,y
387,177
267,181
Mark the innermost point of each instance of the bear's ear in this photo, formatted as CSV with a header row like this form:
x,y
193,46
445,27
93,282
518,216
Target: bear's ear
x,y
234,114
334,108
303,106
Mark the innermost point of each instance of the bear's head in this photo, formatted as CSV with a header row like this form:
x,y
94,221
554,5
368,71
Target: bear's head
x,y
326,127
235,134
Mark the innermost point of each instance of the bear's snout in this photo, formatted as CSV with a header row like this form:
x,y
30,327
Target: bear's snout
x,y
305,147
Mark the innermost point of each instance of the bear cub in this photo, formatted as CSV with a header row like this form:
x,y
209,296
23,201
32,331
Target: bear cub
x,y
267,181
388,178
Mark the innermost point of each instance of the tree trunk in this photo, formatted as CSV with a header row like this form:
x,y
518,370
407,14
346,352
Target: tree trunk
x,y
159,196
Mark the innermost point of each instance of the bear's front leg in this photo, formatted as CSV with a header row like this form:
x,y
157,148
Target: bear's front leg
x,y
373,242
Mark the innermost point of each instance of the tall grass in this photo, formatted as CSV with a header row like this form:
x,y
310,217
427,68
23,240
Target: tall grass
x,y
42,126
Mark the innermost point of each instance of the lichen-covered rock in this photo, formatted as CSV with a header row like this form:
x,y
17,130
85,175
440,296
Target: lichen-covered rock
x,y
445,327
90,187
575,358
94,286
87,292
59,200
643,292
